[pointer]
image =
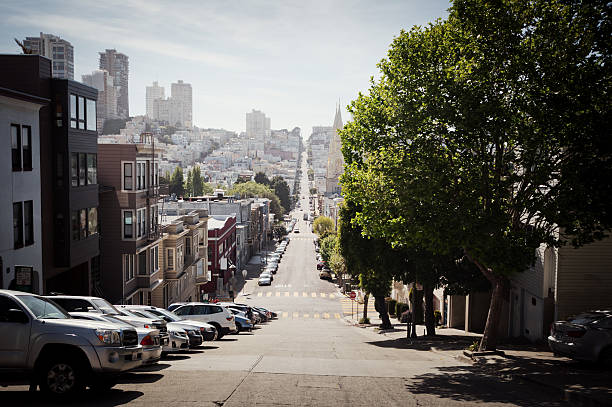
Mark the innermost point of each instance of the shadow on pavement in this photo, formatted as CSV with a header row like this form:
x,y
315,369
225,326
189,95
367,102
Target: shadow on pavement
x,y
139,377
471,385
153,368
107,399
425,343
224,339
175,357
208,347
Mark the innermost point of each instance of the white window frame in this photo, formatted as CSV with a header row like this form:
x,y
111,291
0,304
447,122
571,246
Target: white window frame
x,y
123,189
134,229
141,223
154,259
141,175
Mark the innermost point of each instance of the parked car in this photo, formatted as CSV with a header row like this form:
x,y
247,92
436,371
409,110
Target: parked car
x,y
43,345
264,280
242,322
296,231
193,332
175,305
587,336
208,332
75,303
268,274
325,275
178,338
149,339
216,315
321,264
269,314
247,310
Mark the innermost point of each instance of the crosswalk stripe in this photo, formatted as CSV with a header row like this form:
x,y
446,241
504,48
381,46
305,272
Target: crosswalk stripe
x,y
269,294
314,295
287,294
306,316
278,293
316,315
337,316
285,314
259,294
296,314
305,294
296,294
331,296
326,315
322,295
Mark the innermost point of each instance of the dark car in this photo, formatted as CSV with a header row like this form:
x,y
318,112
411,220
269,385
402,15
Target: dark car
x,y
587,336
321,265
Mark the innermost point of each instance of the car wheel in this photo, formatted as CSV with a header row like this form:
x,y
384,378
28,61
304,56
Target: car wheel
x,y
219,333
61,377
238,328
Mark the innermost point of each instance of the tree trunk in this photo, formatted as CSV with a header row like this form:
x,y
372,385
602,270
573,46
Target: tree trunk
x,y
379,304
491,332
413,300
430,322
365,305
500,293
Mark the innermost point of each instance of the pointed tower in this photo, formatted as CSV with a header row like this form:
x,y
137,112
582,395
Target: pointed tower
x,y
335,161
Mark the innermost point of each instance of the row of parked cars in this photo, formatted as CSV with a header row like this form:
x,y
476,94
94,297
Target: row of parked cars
x,y
63,344
322,266
273,259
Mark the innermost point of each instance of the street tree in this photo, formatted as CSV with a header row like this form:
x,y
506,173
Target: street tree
x,y
188,187
281,189
488,132
323,225
197,181
262,178
176,182
253,189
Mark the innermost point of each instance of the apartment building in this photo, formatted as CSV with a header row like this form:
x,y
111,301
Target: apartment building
x,y
118,66
53,179
58,50
131,236
221,256
183,258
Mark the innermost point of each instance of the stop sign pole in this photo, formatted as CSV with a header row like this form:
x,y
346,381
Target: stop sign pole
x,y
352,295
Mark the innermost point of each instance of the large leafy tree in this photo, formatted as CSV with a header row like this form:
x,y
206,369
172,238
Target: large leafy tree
x,y
488,132
252,189
281,189
176,182
323,225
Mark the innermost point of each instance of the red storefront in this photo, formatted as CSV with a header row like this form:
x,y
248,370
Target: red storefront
x,y
221,254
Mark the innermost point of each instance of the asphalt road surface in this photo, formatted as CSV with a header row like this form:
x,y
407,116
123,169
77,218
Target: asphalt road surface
x,y
310,356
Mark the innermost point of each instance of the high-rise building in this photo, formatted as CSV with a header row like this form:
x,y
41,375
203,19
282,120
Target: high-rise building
x,y
169,111
107,98
153,93
257,125
118,66
182,92
335,161
59,51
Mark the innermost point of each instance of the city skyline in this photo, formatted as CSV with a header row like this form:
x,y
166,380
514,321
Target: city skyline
x,y
292,60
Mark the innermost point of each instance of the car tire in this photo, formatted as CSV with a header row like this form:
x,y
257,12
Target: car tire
x,y
238,328
219,332
61,377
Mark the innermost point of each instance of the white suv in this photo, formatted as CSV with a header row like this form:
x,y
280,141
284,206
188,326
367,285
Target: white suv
x,y
216,315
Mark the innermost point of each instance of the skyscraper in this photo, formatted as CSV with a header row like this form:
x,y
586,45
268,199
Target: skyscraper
x,y
182,92
257,125
335,161
107,98
59,51
118,66
153,93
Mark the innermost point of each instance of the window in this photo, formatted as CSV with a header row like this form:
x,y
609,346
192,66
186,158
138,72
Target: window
x,y
141,175
153,224
139,223
156,183
28,222
142,263
201,310
92,168
73,111
170,259
185,310
81,113
74,222
16,146
82,169
91,115
74,169
17,225
26,145
128,227
188,246
92,221
5,305
128,176
83,223
128,266
154,259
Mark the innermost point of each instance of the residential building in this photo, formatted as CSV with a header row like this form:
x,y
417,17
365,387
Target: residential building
x,y
118,66
257,125
55,193
181,91
107,97
154,93
59,51
169,111
131,238
221,256
335,160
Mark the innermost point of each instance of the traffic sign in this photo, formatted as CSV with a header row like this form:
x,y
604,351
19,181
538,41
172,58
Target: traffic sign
x,y
352,294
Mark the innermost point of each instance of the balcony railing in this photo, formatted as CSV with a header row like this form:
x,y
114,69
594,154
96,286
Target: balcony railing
x,y
154,233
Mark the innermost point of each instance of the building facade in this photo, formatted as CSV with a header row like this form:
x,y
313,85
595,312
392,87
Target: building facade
x,y
335,160
154,92
182,92
257,125
59,51
131,236
118,66
107,97
221,256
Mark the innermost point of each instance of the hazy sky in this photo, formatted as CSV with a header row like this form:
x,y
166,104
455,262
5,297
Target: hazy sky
x,y
291,59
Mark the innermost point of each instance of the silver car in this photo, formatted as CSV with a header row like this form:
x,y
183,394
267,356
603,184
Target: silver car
x,y
587,336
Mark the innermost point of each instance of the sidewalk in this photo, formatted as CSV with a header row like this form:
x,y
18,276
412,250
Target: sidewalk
x,y
580,384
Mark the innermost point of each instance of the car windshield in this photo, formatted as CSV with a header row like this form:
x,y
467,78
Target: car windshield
x,y
42,308
163,313
586,318
105,306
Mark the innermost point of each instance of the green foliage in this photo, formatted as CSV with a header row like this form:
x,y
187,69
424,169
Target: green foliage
x,y
473,347
323,225
176,182
281,189
375,283
364,320
262,178
198,182
253,189
487,134
207,188
327,246
336,262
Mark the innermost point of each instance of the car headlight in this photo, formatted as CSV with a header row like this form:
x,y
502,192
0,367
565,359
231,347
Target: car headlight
x,y
109,336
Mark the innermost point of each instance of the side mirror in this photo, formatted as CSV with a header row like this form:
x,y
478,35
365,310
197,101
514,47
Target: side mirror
x,y
17,316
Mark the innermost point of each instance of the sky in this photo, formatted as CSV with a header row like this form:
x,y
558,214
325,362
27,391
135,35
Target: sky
x,y
293,60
